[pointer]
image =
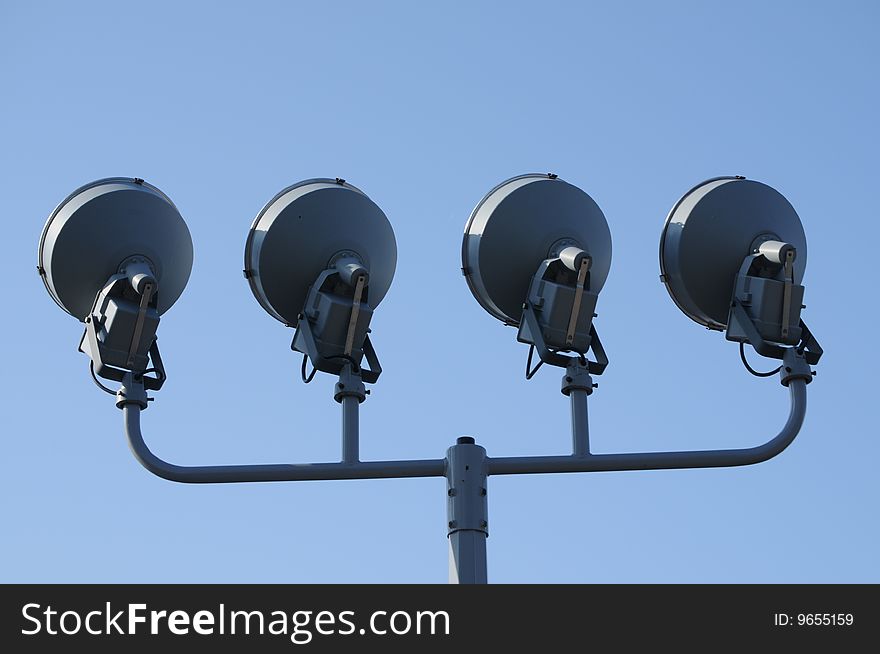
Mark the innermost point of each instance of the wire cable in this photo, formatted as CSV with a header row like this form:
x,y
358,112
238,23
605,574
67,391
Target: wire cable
x,y
307,379
742,355
529,371
95,378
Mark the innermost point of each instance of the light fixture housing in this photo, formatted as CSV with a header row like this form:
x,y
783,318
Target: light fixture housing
x,y
733,255
519,224
708,233
104,226
320,257
535,254
116,254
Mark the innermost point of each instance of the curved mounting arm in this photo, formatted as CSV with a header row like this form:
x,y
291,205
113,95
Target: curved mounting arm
x,y
795,374
133,401
663,460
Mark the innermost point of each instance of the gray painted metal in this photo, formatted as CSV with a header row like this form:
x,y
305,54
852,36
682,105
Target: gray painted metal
x,y
350,429
132,399
99,228
466,466
577,384
436,467
663,460
467,511
580,424
467,558
709,232
795,374
519,224
268,472
302,231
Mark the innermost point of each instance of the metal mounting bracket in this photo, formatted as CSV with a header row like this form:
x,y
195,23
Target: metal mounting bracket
x,y
808,345
553,357
102,369
334,364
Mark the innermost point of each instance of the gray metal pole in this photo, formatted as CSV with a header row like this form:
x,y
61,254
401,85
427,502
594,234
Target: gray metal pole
x,y
578,385
350,430
467,512
350,392
580,425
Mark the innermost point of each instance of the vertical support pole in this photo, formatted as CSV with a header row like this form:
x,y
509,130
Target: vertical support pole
x,y
350,430
580,425
467,512
578,385
350,392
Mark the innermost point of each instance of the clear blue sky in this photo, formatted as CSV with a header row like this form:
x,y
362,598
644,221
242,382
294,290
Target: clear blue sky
x,y
425,106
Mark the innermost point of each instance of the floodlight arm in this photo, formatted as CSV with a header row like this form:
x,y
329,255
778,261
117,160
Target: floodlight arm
x,y
132,400
795,374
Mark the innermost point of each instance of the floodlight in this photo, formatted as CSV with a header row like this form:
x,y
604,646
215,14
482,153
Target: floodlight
x,y
116,254
320,256
535,254
732,255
